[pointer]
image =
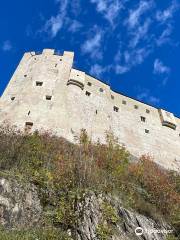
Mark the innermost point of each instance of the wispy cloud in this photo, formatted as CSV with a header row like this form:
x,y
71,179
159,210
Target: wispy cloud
x,y
92,45
109,9
55,23
167,14
75,26
145,95
98,70
160,68
7,46
165,35
135,14
139,34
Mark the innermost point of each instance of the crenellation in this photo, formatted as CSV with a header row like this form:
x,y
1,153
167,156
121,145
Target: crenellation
x,y
47,93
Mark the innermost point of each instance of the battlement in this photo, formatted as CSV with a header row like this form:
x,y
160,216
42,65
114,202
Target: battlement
x,y
47,94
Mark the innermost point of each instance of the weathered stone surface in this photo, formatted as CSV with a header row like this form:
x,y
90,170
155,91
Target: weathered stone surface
x,y
19,204
125,227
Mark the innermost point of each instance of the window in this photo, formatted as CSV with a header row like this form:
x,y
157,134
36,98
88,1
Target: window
x,y
77,75
29,113
147,111
146,131
136,106
60,59
88,93
56,65
89,84
96,111
124,102
48,97
25,75
39,83
112,97
143,119
101,90
116,109
28,126
12,98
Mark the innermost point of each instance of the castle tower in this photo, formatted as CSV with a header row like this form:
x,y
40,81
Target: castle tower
x,y
47,94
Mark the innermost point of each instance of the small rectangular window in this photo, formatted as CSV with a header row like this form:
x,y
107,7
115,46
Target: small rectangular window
x,y
136,106
12,98
88,93
28,126
146,131
116,109
112,97
143,119
124,102
89,84
48,97
147,111
39,83
101,90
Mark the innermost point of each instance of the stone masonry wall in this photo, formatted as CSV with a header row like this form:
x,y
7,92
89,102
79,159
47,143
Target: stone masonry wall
x,y
47,93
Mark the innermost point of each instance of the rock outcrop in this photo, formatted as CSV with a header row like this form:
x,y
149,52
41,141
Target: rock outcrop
x,y
99,216
19,204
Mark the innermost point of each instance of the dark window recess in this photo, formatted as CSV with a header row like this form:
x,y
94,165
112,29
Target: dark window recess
x,y
124,102
143,119
147,111
56,65
34,58
135,106
25,75
39,83
48,97
89,84
96,111
77,75
116,109
112,97
29,112
146,131
101,90
12,98
60,59
88,93
28,126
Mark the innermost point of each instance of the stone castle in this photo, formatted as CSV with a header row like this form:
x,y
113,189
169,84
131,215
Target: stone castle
x,y
47,93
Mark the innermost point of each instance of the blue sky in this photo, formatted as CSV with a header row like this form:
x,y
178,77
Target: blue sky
x,y
134,45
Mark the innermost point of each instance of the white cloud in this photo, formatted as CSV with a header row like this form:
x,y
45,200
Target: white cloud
x,y
121,69
7,46
139,34
98,70
146,96
109,9
160,68
135,14
92,45
165,35
55,23
167,14
75,26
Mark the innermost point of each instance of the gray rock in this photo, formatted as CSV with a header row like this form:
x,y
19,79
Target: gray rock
x,y
19,204
124,228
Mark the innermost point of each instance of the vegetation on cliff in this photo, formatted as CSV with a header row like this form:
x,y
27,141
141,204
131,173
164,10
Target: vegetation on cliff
x,y
65,173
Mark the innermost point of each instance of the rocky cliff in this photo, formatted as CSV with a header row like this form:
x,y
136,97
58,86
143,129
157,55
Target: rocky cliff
x,y
99,216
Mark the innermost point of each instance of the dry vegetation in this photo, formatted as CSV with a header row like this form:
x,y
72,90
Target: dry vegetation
x,y
63,172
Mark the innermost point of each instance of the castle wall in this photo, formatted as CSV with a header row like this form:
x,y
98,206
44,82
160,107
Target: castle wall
x,y
69,100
